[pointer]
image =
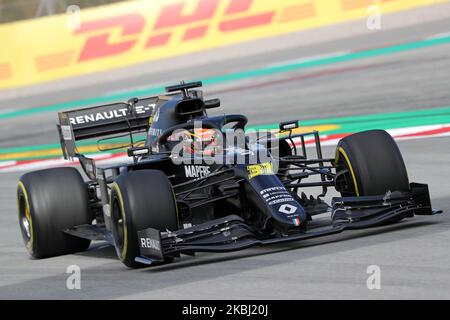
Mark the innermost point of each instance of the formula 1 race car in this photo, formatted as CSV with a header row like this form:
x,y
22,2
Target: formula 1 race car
x,y
199,183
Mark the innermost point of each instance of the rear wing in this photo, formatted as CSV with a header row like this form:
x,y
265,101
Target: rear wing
x,y
105,120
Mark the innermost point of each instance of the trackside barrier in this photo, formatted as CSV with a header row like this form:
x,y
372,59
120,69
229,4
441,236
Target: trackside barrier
x,y
131,32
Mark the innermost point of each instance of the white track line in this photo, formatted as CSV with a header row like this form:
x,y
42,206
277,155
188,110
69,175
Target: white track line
x,y
438,36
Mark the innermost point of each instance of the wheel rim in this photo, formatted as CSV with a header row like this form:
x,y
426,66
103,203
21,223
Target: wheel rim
x,y
118,225
349,187
25,220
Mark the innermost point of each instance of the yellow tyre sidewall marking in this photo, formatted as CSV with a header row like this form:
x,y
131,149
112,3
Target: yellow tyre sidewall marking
x,y
123,254
352,172
30,243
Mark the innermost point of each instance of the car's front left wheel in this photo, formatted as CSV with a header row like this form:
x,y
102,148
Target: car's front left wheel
x,y
370,163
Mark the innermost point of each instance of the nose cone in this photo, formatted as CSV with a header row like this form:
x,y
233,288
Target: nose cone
x,y
289,213
276,201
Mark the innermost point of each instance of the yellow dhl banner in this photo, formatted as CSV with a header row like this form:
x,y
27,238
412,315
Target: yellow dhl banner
x,y
131,32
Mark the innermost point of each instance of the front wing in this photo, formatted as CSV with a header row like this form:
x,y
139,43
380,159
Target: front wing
x,y
232,233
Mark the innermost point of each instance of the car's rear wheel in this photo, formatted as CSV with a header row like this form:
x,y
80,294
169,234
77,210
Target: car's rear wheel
x,y
49,202
139,200
369,163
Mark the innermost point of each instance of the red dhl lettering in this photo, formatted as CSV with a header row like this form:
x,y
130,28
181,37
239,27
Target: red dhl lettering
x,y
172,15
246,22
98,46
238,6
169,18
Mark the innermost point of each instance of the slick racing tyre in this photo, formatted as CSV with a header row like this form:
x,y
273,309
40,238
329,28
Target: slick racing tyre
x,y
49,202
369,163
139,200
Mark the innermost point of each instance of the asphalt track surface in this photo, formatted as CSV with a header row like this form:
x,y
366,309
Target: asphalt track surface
x,y
413,255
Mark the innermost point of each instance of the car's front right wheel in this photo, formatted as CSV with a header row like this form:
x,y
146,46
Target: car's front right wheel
x,y
139,200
